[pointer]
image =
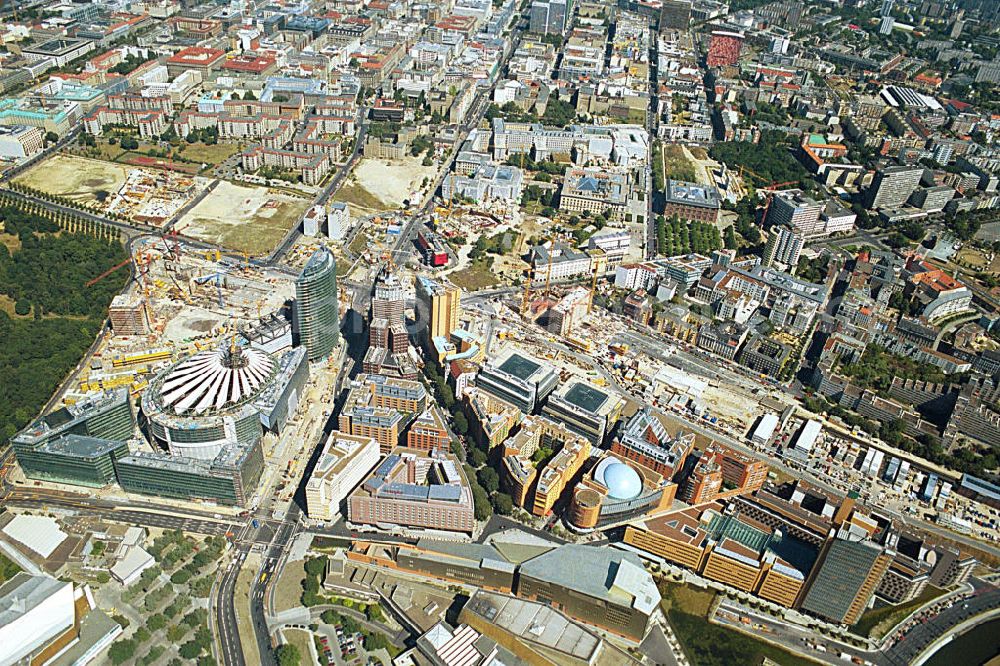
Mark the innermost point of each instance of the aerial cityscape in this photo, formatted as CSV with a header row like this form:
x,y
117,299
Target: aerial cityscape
x,y
500,332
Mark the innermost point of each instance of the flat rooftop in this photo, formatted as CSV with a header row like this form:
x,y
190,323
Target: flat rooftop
x,y
520,366
586,397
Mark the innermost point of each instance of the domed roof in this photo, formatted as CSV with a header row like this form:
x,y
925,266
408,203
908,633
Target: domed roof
x,y
212,380
622,481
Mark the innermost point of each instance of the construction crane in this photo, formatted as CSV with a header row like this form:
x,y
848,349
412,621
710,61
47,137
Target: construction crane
x,y
217,278
548,272
108,272
771,188
593,288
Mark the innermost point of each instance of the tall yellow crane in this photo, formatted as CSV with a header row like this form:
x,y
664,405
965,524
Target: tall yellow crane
x,y
593,288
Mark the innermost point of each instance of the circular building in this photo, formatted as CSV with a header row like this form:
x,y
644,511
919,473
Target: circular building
x,y
615,491
205,402
622,482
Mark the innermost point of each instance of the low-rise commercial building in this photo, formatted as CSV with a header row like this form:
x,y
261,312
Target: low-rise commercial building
x,y
343,463
691,201
415,489
615,491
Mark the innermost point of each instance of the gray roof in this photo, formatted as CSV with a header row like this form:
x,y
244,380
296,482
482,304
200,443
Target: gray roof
x,y
602,573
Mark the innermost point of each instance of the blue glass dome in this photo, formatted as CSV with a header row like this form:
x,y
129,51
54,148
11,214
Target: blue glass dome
x,y
622,481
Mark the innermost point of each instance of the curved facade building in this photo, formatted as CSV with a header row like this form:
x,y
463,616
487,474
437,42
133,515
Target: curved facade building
x,y
316,312
615,491
206,401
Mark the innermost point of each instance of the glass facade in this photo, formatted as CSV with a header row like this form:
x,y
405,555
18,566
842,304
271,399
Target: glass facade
x,y
78,444
316,318
74,459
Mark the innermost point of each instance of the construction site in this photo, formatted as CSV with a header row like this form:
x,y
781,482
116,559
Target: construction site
x,y
180,301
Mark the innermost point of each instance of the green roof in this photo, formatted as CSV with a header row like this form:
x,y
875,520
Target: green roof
x,y
520,366
586,397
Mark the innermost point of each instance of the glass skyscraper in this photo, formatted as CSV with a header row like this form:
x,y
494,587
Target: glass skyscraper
x,y
316,318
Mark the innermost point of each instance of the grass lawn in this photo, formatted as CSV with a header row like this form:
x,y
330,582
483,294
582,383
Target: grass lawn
x,y
877,621
288,592
356,195
678,166
209,154
8,569
477,276
707,644
301,640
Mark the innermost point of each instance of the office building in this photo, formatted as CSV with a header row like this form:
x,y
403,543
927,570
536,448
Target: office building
x,y
491,418
686,269
387,329
549,17
230,478
691,201
784,245
415,489
317,319
428,431
78,444
557,476
794,210
615,491
675,15
724,48
20,141
645,440
723,545
595,191
517,378
585,410
892,186
439,307
365,415
721,472
343,463
849,569
128,315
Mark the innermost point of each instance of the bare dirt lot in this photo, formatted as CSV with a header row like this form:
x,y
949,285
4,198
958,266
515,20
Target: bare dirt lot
x,y
77,178
392,181
243,218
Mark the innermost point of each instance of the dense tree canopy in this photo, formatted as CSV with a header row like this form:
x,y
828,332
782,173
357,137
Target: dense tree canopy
x,y
46,277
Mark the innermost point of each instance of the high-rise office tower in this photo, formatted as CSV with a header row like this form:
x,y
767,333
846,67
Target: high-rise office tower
x,y
317,321
675,15
846,574
440,305
549,17
792,208
892,186
783,246
388,328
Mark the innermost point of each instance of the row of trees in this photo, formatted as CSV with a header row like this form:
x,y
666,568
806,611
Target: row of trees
x,y
682,237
